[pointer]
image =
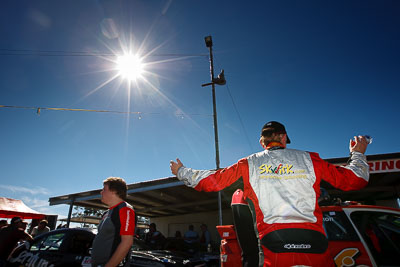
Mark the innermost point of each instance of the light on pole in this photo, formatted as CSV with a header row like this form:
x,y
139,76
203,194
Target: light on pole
x,y
220,80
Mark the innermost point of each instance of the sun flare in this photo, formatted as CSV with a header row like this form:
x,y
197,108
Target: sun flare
x,y
130,67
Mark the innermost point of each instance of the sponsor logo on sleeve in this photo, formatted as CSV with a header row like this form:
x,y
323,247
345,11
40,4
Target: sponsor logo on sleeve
x,y
128,215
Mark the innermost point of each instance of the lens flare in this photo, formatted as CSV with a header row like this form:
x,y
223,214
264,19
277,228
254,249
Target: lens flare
x,y
130,67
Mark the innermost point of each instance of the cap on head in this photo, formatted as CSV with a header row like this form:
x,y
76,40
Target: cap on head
x,y
44,222
274,127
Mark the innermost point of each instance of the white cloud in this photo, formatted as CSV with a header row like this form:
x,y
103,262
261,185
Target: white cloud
x,y
21,189
42,205
35,203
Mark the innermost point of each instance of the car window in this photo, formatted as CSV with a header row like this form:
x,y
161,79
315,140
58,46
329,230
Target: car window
x,y
381,232
140,245
48,242
80,243
338,227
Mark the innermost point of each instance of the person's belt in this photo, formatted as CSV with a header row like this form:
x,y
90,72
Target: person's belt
x,y
295,240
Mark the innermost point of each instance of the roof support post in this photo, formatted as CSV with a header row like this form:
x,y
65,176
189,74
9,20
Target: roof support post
x,y
70,211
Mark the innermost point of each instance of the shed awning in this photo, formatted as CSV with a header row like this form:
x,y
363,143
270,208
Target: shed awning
x,y
85,219
170,197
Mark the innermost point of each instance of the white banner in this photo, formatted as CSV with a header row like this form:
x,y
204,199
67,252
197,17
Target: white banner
x,y
381,166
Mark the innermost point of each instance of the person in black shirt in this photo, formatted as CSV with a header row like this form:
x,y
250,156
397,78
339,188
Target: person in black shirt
x,y
9,237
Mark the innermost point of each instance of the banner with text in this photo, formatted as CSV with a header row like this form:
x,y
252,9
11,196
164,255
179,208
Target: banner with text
x,y
381,166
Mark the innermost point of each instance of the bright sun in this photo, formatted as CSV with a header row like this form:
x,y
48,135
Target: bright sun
x,y
130,67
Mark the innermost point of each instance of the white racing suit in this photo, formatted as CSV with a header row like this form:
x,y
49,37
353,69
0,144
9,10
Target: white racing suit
x,y
282,187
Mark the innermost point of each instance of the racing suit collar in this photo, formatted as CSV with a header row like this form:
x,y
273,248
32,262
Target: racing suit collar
x,y
274,145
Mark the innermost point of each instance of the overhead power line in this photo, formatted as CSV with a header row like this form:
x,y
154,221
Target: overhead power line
x,y
238,114
62,53
240,118
39,109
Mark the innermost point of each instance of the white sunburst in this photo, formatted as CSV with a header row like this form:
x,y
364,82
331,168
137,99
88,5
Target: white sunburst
x,y
130,67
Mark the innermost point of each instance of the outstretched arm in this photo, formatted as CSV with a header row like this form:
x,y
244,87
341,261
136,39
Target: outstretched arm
x,y
209,180
354,175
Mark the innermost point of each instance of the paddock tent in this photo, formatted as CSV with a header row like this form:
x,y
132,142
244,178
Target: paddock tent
x,y
14,207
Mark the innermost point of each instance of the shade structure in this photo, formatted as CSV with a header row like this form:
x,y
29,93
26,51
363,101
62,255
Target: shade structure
x,y
14,207
85,219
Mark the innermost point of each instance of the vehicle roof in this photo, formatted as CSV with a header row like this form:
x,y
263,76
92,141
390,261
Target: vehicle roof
x,y
74,230
364,207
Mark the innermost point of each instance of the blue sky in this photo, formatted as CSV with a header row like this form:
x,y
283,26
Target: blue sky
x,y
328,70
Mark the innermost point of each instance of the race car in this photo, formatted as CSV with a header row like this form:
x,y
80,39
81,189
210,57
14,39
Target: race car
x,y
359,235
71,247
63,247
363,235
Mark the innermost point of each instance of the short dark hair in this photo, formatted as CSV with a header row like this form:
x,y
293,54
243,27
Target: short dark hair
x,y
45,222
117,185
15,220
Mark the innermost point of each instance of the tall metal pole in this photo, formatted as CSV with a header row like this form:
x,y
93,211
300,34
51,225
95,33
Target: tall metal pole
x,y
214,110
209,45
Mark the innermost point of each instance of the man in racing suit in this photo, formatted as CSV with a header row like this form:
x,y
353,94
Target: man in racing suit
x,y
282,187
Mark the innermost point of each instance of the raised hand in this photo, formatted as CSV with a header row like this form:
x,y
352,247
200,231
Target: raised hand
x,y
175,166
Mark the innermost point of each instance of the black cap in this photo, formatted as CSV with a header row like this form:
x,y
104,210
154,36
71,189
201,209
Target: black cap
x,y
274,127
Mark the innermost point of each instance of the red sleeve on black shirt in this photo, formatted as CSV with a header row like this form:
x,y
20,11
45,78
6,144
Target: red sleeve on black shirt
x,y
127,219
